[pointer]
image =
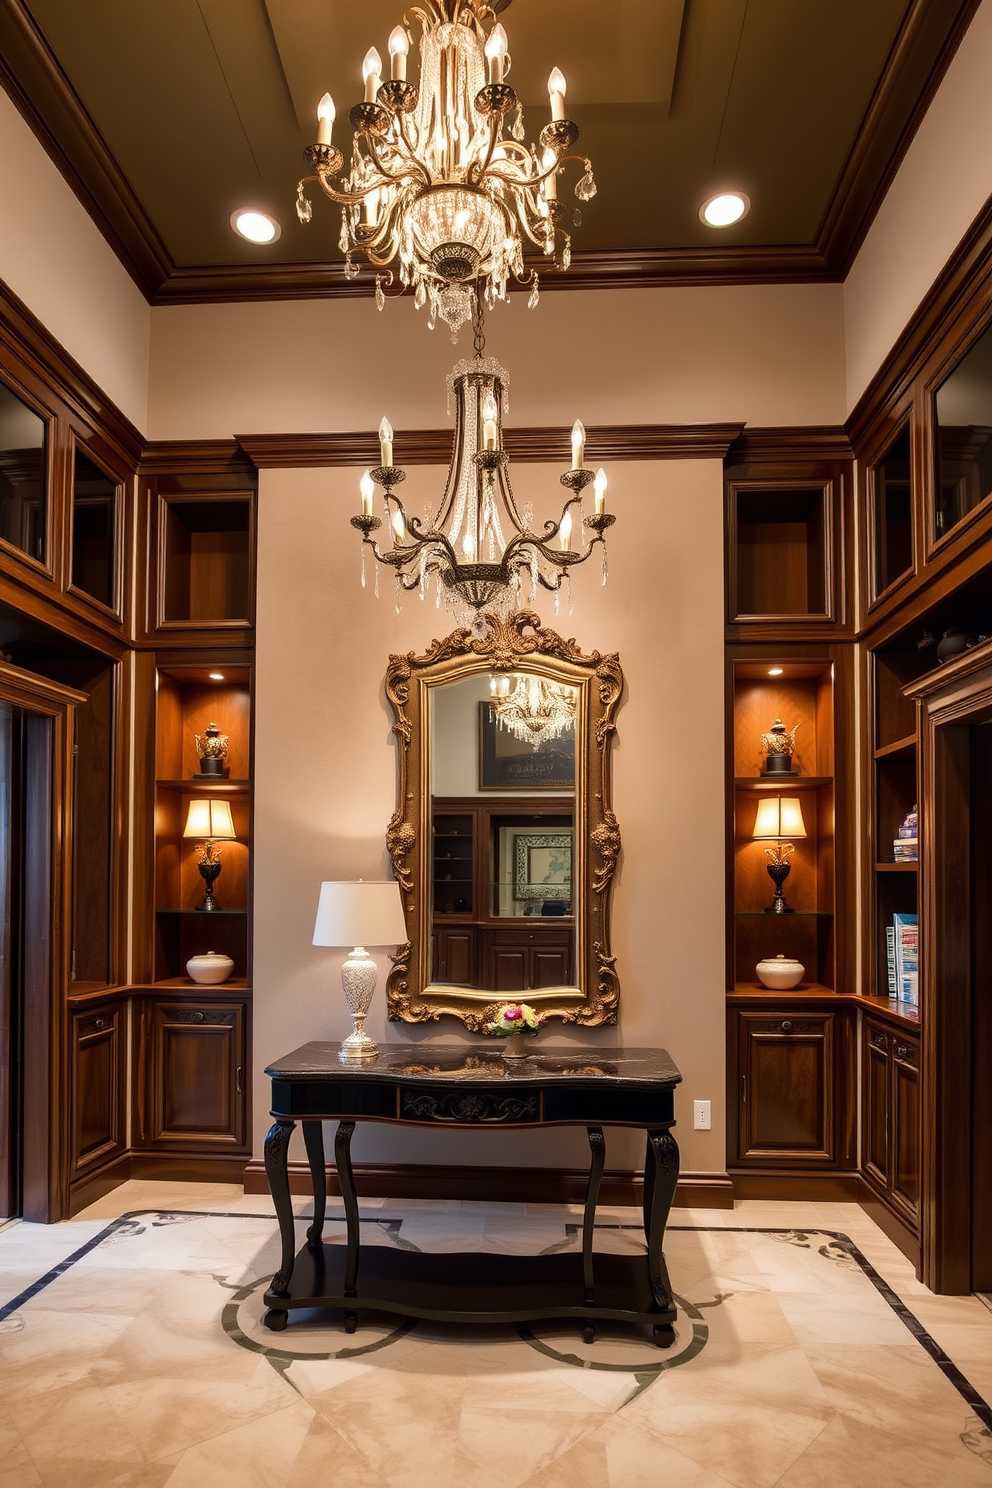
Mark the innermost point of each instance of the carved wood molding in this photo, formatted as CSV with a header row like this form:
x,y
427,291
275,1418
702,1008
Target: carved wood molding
x,y
506,645
541,445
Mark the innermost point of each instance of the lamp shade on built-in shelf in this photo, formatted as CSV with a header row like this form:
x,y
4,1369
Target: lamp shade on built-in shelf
x,y
210,821
779,817
358,915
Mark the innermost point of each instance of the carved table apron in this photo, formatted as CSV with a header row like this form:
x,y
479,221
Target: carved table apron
x,y
480,1091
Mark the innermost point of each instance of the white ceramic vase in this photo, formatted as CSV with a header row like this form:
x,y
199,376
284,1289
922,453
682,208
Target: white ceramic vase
x,y
516,1045
779,973
210,968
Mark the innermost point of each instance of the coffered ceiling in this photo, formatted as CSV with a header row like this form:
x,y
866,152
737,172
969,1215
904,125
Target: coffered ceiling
x,y
166,115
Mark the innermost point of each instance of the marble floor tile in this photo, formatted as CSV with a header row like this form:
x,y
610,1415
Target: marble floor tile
x,y
145,1362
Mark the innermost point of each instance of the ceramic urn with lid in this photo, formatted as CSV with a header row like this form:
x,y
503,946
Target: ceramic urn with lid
x,y
210,968
779,973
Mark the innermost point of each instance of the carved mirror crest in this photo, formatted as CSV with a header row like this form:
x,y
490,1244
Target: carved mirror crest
x,y
504,840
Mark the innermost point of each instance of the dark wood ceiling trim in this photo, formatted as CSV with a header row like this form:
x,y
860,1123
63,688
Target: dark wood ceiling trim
x,y
589,270
787,446
31,75
194,457
927,40
538,445
28,342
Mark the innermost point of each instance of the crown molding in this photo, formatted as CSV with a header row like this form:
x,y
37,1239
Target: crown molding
x,y
927,40
537,445
791,445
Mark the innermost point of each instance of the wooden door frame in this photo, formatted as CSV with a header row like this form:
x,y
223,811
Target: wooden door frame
x,y
951,703
47,871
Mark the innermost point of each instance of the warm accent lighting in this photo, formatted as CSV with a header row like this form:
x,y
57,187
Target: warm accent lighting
x,y
775,671
531,708
778,818
480,548
216,676
724,210
442,192
257,227
358,915
210,821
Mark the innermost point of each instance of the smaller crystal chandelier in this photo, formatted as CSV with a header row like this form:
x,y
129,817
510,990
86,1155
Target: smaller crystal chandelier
x,y
531,708
480,548
435,187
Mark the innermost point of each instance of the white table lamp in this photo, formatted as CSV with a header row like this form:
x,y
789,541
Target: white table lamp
x,y
357,915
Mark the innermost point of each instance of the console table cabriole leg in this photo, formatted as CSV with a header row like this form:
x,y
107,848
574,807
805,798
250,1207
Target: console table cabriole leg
x,y
597,1150
277,1174
313,1136
346,1178
662,1162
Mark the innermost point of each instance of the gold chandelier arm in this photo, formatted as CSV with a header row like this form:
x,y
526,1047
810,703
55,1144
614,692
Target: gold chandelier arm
x,y
413,170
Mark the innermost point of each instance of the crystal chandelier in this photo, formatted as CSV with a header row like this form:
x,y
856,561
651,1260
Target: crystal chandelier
x,y
436,188
480,548
531,708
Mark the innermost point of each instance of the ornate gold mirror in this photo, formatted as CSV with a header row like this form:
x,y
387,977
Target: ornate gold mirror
x,y
503,840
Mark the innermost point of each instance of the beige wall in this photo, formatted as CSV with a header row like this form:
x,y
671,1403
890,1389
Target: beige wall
x,y
940,188
759,354
56,261
325,777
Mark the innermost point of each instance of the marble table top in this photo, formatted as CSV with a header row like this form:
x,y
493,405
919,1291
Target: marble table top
x,y
483,1062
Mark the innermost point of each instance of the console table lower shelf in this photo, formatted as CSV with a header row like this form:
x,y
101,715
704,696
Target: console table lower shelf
x,y
441,1086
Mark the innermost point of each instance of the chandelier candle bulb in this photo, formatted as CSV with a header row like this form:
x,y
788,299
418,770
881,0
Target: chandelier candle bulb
x,y
496,53
551,184
489,430
578,445
367,486
599,491
386,442
556,93
372,73
325,119
399,45
565,531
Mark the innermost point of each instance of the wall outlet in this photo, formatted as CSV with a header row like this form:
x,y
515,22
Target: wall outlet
x,y
701,1116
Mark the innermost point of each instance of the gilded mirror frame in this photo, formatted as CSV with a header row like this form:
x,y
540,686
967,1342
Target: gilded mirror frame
x,y
519,641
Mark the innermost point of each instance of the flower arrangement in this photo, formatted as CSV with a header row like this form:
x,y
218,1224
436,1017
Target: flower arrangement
x,y
514,1017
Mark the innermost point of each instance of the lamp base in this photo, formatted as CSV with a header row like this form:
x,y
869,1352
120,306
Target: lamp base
x,y
778,872
358,978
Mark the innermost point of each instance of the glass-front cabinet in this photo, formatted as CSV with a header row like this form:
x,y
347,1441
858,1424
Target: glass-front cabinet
x,y
962,439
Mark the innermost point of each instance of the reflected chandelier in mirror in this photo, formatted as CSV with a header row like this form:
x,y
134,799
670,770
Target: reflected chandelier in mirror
x,y
505,861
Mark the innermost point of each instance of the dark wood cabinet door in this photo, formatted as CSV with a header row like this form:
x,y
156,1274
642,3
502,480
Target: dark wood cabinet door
x,y
786,1108
875,1071
97,1081
454,956
906,1126
196,1085
550,966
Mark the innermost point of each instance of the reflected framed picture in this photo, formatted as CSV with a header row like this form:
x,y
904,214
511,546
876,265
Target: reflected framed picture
x,y
542,867
508,763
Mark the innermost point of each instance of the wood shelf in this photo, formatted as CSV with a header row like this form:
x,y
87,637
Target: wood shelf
x,y
897,748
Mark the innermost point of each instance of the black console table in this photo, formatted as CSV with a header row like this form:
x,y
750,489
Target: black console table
x,y
451,1086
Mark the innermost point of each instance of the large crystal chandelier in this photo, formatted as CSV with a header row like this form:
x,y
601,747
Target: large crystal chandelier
x,y
532,708
480,548
441,185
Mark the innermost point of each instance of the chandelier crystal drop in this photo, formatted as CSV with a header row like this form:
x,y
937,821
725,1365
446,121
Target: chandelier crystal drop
x,y
442,192
532,708
479,548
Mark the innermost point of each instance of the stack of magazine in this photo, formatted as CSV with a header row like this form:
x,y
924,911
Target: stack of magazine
x,y
902,948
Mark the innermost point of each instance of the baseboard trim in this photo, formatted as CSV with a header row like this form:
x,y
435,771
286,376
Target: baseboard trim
x,y
176,1167
824,1188
897,1230
95,1186
499,1185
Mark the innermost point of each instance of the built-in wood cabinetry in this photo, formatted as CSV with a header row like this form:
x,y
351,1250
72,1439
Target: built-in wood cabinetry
x,y
890,1115
192,1055
97,1086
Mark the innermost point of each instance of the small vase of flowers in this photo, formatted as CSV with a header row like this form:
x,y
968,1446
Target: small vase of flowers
x,y
516,1022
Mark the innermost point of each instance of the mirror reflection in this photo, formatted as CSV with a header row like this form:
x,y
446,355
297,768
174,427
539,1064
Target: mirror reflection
x,y
503,840
22,475
963,437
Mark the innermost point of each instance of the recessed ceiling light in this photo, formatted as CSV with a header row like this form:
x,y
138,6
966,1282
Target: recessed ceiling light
x,y
774,671
216,676
257,227
725,209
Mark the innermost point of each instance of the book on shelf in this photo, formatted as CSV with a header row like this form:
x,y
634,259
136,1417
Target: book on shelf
x,y
905,849
906,935
890,959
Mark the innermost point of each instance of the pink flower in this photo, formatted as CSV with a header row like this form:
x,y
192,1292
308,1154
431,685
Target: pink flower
x,y
511,1014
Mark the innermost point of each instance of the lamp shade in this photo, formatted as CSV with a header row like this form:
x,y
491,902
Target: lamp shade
x,y
360,914
778,817
210,821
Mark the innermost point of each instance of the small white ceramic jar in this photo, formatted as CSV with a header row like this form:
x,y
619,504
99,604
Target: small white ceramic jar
x,y
210,968
780,973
